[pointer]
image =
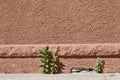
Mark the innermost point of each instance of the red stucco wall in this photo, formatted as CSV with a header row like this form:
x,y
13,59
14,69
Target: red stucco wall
x,y
25,59
59,21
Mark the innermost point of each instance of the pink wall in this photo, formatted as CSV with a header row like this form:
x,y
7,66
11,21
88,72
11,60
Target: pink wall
x,y
25,59
74,22
59,21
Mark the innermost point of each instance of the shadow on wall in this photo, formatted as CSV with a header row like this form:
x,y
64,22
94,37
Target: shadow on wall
x,y
102,64
60,66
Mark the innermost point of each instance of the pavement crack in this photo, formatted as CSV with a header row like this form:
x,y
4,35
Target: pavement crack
x,y
104,77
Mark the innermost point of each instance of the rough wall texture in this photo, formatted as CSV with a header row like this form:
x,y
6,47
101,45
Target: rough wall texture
x,y
59,21
31,65
25,59
63,50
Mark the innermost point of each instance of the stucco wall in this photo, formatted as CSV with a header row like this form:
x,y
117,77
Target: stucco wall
x,y
25,59
59,21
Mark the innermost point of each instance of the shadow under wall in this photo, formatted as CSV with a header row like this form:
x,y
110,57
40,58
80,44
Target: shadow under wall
x,y
60,66
102,65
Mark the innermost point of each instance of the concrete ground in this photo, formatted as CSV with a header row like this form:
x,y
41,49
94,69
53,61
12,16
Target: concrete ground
x,y
73,76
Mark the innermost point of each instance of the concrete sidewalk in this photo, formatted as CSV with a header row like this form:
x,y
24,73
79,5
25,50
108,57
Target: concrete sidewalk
x,y
74,76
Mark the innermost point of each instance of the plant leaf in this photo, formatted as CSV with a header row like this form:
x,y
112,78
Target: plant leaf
x,y
42,64
42,51
41,55
45,48
42,60
46,70
47,66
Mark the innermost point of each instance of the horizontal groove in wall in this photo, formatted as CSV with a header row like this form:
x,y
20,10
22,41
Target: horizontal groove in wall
x,y
66,57
89,57
21,57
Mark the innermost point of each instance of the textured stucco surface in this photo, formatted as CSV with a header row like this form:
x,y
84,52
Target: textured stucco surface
x,y
109,64
59,21
65,50
24,58
19,65
31,65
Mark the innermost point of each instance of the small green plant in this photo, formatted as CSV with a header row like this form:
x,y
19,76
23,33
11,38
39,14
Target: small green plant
x,y
48,61
98,67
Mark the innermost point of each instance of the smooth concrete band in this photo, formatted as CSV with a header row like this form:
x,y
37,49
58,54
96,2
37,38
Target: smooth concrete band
x,y
65,50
